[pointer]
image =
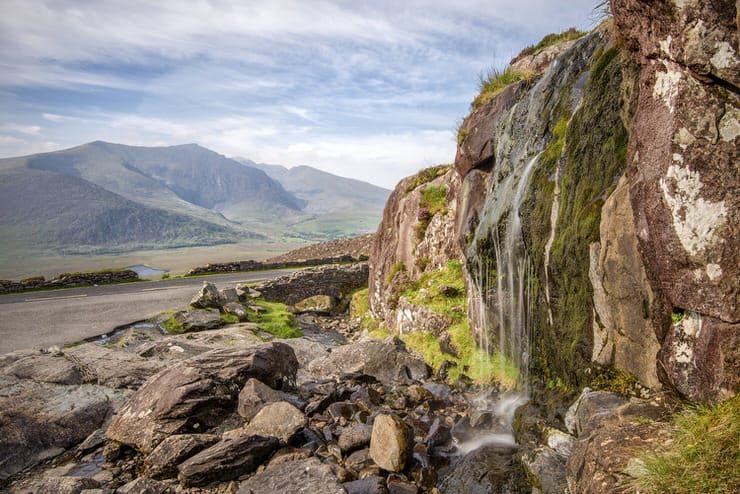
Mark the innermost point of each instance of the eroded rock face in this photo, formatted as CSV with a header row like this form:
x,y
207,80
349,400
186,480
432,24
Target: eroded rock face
x,y
198,393
410,242
683,156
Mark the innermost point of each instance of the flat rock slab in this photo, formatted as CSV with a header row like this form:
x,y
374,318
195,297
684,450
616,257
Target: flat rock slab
x,y
280,420
41,367
308,476
163,461
198,393
40,420
112,368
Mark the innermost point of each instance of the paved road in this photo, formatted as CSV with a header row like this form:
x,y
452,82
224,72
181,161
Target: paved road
x,y
46,318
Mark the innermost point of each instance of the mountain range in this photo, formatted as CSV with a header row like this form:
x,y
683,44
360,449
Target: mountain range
x,y
104,197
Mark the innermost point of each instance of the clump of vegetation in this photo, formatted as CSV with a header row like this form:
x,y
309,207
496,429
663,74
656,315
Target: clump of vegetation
x,y
443,292
399,267
433,200
276,320
172,326
462,134
427,175
165,276
703,456
677,316
555,146
616,381
495,81
549,40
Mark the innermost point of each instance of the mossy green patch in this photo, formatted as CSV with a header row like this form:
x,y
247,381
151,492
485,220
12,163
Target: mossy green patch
x,y
433,201
616,381
703,456
398,267
276,320
229,318
172,326
442,291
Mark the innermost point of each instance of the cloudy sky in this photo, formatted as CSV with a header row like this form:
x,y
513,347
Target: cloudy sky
x,y
367,89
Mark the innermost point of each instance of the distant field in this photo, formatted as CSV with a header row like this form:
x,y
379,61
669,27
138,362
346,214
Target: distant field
x,y
16,265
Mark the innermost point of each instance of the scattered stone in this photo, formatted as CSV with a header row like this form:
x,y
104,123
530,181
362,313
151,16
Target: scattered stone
x,y
208,297
236,309
145,486
318,303
198,319
228,295
198,392
162,462
392,443
307,476
226,460
280,420
369,485
254,396
354,437
398,486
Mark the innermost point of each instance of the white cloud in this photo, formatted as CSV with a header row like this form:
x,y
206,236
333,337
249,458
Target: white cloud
x,y
21,129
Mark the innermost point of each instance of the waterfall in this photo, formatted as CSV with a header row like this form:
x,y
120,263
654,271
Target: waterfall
x,y
503,288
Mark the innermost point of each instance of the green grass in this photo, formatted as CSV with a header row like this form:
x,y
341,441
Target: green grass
x,y
443,291
276,320
434,198
551,39
427,175
229,318
704,455
676,317
495,81
172,326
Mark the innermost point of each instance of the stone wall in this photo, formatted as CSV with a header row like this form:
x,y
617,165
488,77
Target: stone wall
x,y
239,266
69,280
336,281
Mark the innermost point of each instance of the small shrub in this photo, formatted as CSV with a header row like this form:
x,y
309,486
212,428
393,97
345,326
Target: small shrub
x,y
703,456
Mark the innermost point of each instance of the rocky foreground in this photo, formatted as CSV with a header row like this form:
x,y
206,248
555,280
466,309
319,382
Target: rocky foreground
x,y
235,409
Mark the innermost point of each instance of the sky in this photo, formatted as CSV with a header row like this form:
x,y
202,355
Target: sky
x,y
365,89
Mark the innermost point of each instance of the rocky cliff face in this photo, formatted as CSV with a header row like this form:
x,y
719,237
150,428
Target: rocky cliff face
x,y
595,204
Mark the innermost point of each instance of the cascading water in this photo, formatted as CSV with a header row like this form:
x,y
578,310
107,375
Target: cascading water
x,y
503,302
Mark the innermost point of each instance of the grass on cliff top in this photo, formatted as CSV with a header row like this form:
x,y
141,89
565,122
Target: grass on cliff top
x,y
495,81
276,320
549,40
427,175
704,455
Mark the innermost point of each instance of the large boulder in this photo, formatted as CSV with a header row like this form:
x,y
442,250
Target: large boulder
x,y
296,477
391,443
198,319
486,470
198,393
39,420
387,360
229,459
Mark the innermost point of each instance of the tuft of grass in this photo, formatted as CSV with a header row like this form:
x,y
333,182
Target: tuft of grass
x,y
276,320
172,326
427,175
549,40
616,381
442,291
434,198
398,267
703,456
495,81
462,134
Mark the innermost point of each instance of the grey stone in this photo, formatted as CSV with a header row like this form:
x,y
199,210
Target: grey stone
x,y
145,486
208,297
163,461
369,485
280,420
226,460
354,437
198,319
42,367
236,309
307,476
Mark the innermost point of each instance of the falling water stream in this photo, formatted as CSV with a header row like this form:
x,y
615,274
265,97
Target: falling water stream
x,y
502,305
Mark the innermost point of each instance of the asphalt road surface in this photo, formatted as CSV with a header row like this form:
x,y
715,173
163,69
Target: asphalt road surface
x,y
45,318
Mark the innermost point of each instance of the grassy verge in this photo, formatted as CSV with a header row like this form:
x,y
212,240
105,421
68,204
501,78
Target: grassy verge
x,y
704,455
495,81
551,39
427,175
